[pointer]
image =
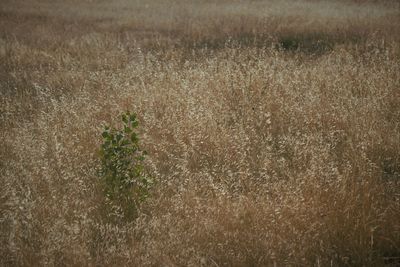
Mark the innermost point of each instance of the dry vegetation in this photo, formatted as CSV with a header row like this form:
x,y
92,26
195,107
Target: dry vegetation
x,y
272,127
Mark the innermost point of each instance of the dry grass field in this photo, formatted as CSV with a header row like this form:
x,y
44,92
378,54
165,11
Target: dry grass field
x,y
272,130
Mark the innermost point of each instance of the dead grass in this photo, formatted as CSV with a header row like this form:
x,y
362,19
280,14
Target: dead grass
x,y
272,129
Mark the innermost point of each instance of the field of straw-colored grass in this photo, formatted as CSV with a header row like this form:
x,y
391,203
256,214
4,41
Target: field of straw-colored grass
x,y
272,130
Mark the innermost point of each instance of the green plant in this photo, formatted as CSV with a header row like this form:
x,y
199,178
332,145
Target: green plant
x,y
122,173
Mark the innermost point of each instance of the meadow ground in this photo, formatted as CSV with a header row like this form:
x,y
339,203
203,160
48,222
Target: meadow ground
x,y
272,130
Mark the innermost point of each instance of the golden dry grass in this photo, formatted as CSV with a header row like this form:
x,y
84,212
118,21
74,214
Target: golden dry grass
x,y
272,129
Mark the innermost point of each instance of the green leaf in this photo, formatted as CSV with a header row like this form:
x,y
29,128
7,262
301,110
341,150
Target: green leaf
x,y
127,129
125,143
134,138
134,124
105,134
119,137
124,118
